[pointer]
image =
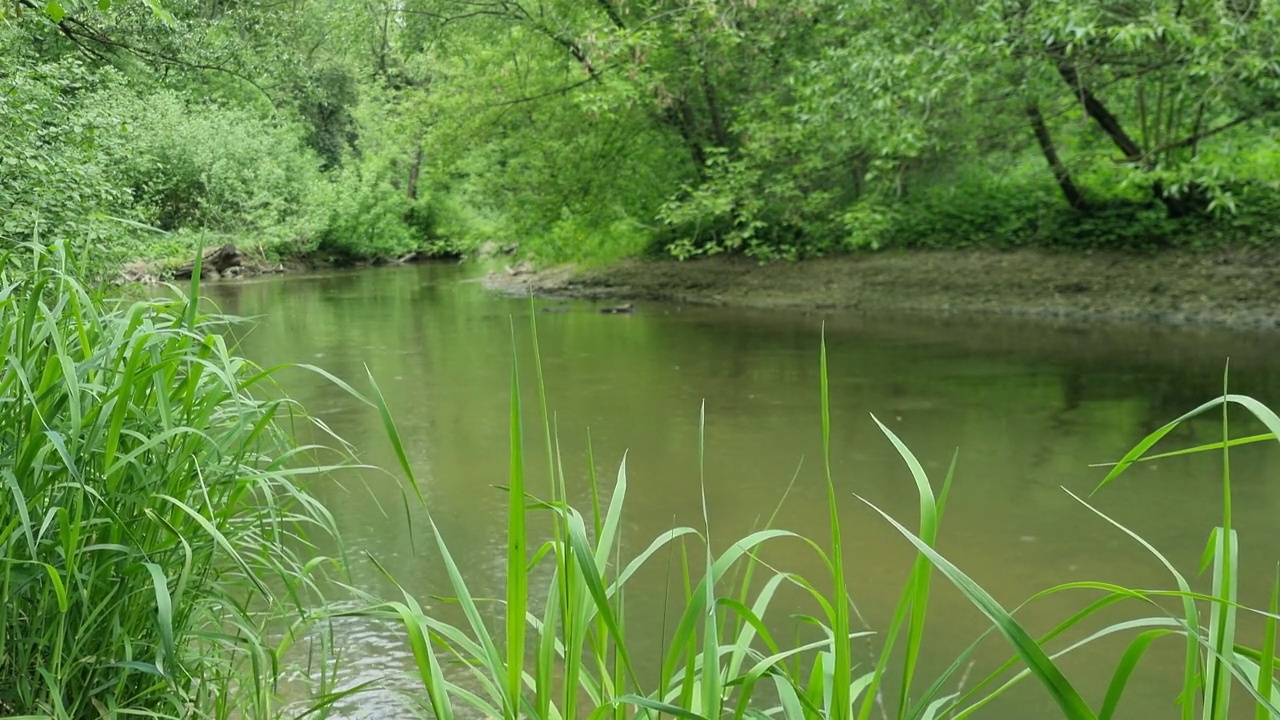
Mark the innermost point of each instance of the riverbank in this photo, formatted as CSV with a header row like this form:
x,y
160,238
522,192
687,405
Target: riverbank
x,y
1232,288
228,262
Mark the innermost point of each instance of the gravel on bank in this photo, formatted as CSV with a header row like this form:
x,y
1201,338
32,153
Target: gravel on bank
x,y
1230,288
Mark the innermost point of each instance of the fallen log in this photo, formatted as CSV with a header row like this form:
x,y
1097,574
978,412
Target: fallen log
x,y
214,260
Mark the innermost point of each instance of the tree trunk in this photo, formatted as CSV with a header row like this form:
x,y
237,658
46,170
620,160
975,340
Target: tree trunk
x,y
1069,190
719,130
681,116
415,170
1094,108
1175,206
1192,202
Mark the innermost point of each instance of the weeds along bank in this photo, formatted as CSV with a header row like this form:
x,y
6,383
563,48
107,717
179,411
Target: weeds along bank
x,y
153,518
156,525
562,648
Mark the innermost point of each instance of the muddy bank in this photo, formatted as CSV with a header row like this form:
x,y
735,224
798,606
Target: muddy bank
x,y
227,262
1234,288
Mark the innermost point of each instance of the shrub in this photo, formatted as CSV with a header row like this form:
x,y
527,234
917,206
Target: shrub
x,y
53,185
366,219
205,165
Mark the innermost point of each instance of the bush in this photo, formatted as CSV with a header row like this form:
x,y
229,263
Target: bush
x,y
989,212
207,166
90,159
151,517
53,184
366,219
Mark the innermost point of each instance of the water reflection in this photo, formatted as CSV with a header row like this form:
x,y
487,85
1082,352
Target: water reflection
x,y
1029,406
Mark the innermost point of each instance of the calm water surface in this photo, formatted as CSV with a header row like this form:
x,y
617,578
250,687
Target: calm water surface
x,y
1029,407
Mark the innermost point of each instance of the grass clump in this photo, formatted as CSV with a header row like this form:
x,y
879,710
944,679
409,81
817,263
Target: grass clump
x,y
151,523
574,658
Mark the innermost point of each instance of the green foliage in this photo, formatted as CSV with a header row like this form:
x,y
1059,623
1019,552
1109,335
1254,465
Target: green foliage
x,y
987,214
53,182
589,130
366,218
381,203
325,103
202,165
153,522
803,128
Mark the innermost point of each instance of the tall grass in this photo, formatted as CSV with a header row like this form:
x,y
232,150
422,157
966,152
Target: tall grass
x,y
151,522
722,661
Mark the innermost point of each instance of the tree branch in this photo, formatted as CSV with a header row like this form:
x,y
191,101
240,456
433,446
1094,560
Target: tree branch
x,y
77,30
540,96
1197,137
65,29
612,12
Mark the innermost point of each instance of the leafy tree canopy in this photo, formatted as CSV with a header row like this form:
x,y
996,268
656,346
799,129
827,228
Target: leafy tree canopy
x,y
592,129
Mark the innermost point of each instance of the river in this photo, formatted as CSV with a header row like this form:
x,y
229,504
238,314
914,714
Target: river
x,y
1028,406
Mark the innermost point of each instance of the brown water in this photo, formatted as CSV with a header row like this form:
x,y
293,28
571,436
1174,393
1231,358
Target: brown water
x,y
1029,406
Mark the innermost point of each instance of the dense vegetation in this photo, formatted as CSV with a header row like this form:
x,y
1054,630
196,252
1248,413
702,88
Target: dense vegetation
x,y
154,534
597,128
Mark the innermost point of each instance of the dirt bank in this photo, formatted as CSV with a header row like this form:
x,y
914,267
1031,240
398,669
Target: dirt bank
x,y
1239,288
229,263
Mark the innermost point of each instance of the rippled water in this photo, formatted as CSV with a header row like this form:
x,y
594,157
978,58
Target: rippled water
x,y
1029,406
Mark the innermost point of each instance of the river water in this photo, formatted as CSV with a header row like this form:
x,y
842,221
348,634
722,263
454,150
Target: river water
x,y
1029,406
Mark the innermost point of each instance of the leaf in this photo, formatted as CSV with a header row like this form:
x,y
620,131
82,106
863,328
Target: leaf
x,y
517,580
164,616
661,707
54,11
1060,689
1128,662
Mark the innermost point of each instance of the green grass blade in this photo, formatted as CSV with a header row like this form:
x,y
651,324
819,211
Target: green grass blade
x,y
1267,668
1060,689
1222,623
1263,414
1166,624
485,651
1191,663
842,665
686,628
164,618
1196,450
711,680
608,535
193,295
666,708
429,670
393,435
218,537
918,584
517,580
590,574
789,699
1149,441
1124,669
